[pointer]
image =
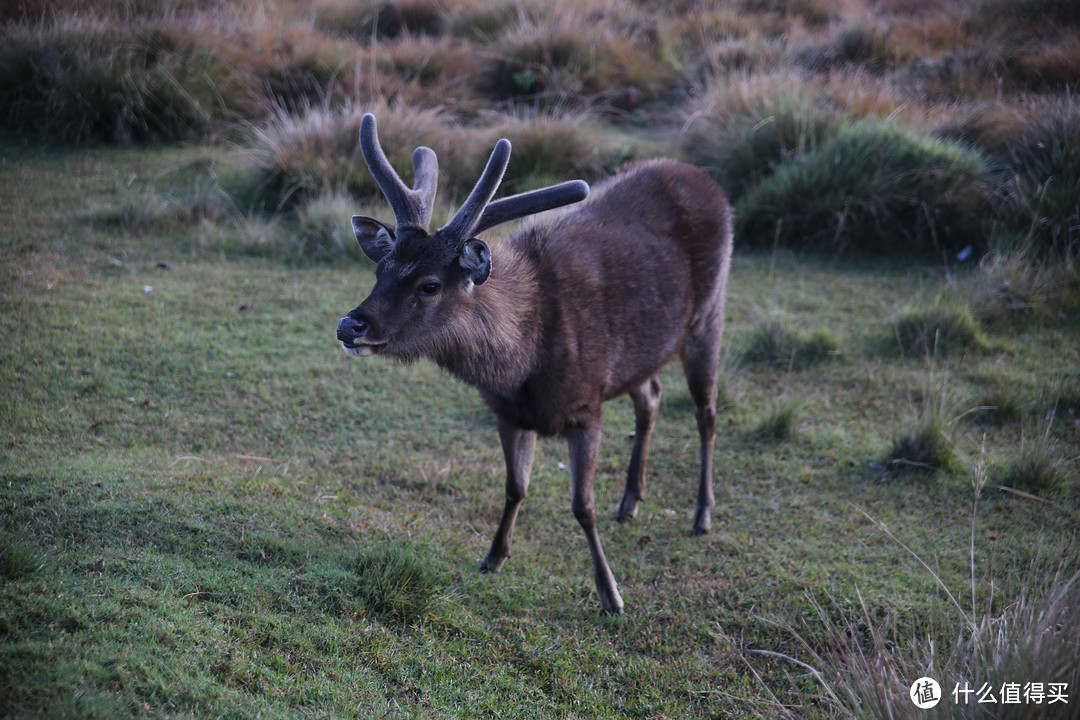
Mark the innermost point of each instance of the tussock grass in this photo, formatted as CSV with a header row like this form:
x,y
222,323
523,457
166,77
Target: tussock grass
x,y
938,330
872,188
776,340
1044,197
742,146
396,584
568,58
1036,636
378,20
17,561
1041,466
295,157
928,444
782,421
925,448
85,79
1018,284
324,228
1002,405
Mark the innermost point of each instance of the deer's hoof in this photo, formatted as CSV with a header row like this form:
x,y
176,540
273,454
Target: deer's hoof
x,y
491,565
627,509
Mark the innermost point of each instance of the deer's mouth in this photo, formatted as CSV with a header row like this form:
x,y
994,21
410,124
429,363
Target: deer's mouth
x,y
363,348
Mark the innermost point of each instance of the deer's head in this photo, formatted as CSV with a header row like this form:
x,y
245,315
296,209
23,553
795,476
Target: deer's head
x,y
421,277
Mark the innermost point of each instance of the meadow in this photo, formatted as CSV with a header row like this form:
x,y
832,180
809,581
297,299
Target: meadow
x,y
208,510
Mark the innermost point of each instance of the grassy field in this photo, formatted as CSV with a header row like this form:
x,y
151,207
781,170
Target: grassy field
x,y
208,510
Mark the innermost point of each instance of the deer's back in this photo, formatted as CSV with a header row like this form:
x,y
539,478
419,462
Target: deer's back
x,y
623,277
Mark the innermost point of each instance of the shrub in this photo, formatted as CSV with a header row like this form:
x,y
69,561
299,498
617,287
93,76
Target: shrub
x,y
872,188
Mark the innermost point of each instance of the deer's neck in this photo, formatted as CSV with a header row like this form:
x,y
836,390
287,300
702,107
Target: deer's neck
x,y
493,343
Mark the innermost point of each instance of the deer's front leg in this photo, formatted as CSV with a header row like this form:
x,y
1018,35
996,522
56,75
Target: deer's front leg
x,y
584,445
518,448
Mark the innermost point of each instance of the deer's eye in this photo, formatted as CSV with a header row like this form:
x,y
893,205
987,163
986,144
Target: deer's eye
x,y
429,289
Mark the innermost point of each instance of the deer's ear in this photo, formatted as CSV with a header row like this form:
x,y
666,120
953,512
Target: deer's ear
x,y
376,239
475,259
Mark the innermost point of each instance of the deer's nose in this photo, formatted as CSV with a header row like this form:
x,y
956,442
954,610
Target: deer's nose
x,y
349,329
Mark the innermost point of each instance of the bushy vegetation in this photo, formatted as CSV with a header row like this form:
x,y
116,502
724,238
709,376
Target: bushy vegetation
x,y
814,136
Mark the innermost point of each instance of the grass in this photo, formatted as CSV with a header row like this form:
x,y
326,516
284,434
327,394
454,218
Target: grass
x,y
207,509
777,340
906,192
938,330
782,422
223,525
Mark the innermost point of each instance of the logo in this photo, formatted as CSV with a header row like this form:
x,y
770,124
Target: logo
x,y
925,693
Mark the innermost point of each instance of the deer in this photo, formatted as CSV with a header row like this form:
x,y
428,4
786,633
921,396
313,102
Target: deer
x,y
587,300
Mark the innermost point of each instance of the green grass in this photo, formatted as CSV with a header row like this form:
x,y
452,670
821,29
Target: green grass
x,y
213,509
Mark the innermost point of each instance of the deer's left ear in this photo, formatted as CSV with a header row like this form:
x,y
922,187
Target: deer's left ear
x,y
475,259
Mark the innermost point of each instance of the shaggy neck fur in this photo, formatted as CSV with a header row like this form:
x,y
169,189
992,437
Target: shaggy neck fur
x,y
492,339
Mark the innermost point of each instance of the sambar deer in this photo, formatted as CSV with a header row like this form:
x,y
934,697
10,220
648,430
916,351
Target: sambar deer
x,y
573,309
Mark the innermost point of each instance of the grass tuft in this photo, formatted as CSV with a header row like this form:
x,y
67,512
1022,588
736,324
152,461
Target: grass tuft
x,y
775,340
1039,467
568,57
926,448
396,583
17,561
871,188
1043,201
298,157
742,151
938,330
782,422
1038,636
324,229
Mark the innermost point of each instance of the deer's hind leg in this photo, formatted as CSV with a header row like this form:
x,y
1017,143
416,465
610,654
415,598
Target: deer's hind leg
x,y
700,357
646,399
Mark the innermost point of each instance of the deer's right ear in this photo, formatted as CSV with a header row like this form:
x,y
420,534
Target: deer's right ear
x,y
376,239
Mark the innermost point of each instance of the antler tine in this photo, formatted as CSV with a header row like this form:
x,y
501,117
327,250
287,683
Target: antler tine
x,y
412,208
464,223
532,202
